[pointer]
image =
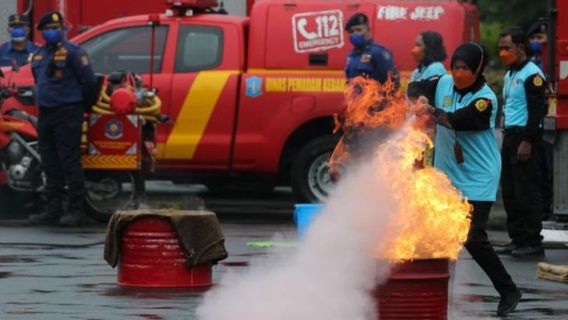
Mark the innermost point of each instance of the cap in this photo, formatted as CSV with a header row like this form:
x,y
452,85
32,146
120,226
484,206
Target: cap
x,y
538,27
17,20
357,20
50,17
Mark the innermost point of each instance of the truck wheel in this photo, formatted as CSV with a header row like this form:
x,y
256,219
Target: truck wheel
x,y
311,181
107,192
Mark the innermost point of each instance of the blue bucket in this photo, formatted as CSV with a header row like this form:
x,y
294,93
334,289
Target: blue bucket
x,y
304,215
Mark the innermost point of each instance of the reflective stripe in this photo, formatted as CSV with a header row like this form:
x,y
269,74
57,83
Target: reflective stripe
x,y
195,114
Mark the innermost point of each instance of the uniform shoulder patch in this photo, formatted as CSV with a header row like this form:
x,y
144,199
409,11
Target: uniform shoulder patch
x,y
537,81
447,101
481,105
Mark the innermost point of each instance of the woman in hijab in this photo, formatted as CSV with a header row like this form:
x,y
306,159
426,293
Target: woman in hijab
x,y
429,52
464,109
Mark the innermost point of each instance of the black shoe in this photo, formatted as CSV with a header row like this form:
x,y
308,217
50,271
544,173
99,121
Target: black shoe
x,y
529,252
509,302
506,250
44,218
71,220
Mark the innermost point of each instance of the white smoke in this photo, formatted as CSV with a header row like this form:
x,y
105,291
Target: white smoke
x,y
333,272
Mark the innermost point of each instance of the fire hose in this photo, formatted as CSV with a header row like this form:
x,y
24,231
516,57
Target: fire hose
x,y
129,97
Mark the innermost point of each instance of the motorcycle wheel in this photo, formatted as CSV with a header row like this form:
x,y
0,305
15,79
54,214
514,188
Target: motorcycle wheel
x,y
107,192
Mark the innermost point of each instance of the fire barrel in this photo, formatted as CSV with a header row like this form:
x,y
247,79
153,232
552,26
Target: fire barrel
x,y
151,256
164,248
416,290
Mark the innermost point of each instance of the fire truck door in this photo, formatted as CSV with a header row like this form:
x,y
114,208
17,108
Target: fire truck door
x,y
204,96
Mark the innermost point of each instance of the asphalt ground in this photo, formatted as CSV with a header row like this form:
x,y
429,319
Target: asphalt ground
x,y
59,273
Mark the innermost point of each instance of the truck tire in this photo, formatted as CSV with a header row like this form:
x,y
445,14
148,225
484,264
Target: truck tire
x,y
108,192
310,177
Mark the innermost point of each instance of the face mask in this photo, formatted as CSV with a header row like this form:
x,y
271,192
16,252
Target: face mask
x,y
463,78
508,57
52,36
18,34
358,40
417,53
536,47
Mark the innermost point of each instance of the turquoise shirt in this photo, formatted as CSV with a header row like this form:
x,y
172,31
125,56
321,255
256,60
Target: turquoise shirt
x,y
514,94
478,176
426,72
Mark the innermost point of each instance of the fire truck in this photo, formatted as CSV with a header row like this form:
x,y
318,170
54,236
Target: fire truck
x,y
556,122
251,99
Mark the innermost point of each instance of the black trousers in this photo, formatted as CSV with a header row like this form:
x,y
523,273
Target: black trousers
x,y
60,130
545,152
478,246
521,195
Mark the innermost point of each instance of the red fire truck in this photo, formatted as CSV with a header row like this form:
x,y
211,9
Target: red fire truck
x,y
251,99
557,119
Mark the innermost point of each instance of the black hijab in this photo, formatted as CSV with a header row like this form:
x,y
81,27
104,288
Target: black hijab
x,y
475,57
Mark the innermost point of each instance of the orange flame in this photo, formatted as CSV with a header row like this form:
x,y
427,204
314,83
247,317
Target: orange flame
x,y
432,219
368,105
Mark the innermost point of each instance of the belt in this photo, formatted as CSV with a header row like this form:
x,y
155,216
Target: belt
x,y
513,130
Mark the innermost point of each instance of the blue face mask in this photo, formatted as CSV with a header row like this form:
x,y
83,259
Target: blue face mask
x,y
18,33
52,36
536,47
358,40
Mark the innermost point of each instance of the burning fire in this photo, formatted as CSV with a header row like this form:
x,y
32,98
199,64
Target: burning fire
x,y
368,106
433,218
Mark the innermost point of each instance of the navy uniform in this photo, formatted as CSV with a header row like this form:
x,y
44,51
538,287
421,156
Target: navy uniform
x,y
65,83
524,111
467,151
17,51
367,58
374,61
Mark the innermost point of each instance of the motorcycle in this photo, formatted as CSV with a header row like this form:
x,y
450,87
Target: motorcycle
x,y
107,189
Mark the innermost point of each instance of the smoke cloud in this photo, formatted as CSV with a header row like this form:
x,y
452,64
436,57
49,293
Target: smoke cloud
x,y
333,272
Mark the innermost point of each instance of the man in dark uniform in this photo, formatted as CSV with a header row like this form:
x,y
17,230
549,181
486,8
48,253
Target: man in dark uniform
x,y
523,111
368,58
538,37
18,50
65,83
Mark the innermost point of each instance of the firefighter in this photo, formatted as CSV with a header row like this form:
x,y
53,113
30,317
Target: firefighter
x,y
524,111
537,34
65,82
368,59
466,150
428,52
17,51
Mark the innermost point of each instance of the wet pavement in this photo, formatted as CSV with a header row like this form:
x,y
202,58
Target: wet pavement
x,y
55,273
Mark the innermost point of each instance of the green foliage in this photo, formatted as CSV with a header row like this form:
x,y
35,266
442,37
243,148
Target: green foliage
x,y
490,38
496,15
512,12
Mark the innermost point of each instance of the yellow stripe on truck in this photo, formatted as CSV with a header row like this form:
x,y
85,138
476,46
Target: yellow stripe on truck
x,y
195,114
